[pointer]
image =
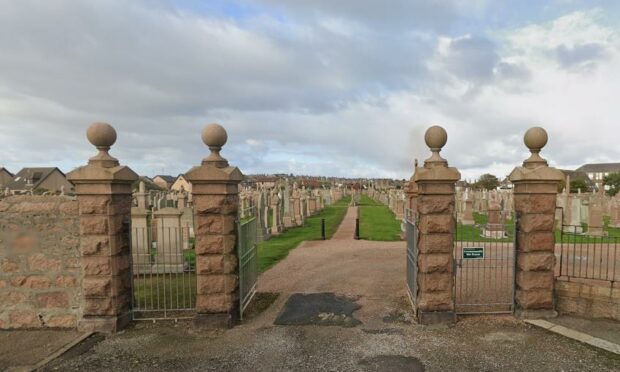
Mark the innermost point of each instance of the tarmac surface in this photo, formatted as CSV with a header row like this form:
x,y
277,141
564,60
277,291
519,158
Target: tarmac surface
x,y
21,350
342,306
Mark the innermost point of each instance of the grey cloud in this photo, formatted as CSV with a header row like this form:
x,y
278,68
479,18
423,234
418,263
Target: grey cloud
x,y
582,56
131,59
412,14
314,100
512,71
472,58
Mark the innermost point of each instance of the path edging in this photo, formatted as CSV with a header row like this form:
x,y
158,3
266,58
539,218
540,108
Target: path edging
x,y
576,335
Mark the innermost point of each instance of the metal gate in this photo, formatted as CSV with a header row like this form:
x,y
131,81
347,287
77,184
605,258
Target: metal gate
x,y
411,231
588,253
484,258
163,270
247,228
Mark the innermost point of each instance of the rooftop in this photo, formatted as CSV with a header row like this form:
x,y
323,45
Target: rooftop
x,y
600,167
31,178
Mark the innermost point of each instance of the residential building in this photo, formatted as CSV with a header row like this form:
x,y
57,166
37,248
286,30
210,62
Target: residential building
x,y
181,184
597,171
578,176
164,181
40,180
6,177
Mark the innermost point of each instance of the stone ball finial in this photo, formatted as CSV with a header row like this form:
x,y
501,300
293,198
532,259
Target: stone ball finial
x,y
535,139
215,137
436,138
101,135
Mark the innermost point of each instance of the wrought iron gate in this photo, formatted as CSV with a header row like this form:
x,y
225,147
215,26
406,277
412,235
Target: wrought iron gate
x,y
587,253
163,271
248,258
484,258
411,231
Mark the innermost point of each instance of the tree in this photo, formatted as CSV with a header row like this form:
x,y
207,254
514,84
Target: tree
x,y
613,181
487,181
577,185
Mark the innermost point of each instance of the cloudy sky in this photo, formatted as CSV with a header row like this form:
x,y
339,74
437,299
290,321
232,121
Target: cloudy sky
x,y
324,87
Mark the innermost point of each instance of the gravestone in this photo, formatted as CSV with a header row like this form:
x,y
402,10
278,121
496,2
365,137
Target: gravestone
x,y
595,217
494,228
614,212
468,212
168,245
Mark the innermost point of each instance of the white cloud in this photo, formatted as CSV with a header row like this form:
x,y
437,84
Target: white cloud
x,y
328,92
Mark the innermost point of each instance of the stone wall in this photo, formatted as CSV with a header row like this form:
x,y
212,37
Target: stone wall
x,y
588,298
40,271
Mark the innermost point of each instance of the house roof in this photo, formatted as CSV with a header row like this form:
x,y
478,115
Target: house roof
x,y
2,169
31,178
166,178
577,176
600,167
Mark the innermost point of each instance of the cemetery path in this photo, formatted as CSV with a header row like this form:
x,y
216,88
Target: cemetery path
x,y
372,273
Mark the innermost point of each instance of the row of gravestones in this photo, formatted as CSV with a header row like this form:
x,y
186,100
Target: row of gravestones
x,y
589,209
163,222
394,199
284,206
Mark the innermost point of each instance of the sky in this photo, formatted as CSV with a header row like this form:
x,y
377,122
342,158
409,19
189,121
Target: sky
x,y
317,87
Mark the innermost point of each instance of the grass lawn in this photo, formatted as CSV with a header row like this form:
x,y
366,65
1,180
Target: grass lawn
x,y
377,222
164,291
473,233
613,235
275,249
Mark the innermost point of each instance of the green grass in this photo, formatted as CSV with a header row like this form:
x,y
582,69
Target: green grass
x,y
473,233
189,256
377,222
275,249
469,233
613,235
169,291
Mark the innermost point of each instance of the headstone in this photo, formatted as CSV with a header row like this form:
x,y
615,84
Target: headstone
x,y
168,245
574,221
495,227
595,225
468,212
614,212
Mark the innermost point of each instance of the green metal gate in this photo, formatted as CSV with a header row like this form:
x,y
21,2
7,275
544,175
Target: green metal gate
x,y
411,231
163,272
484,258
247,228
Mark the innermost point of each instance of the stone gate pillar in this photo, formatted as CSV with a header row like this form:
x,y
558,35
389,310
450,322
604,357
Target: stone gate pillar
x,y
435,208
215,190
535,191
103,189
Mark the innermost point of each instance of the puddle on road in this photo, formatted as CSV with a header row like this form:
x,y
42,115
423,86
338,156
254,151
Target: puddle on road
x,y
391,363
322,309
